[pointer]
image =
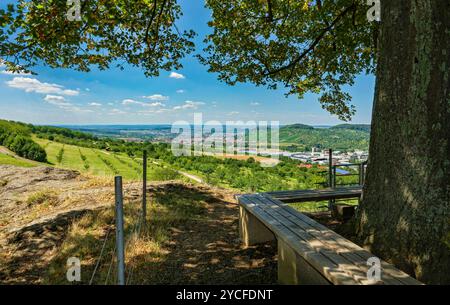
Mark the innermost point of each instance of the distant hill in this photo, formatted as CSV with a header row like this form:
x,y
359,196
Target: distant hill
x,y
361,127
344,137
298,126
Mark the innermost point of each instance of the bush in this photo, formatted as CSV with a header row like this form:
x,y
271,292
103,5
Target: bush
x,y
16,137
163,174
23,146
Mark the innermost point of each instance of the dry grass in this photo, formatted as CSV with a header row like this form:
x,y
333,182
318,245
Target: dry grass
x,y
45,197
143,245
41,202
97,181
190,237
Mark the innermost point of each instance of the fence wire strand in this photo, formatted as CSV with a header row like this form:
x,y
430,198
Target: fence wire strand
x,y
134,233
101,254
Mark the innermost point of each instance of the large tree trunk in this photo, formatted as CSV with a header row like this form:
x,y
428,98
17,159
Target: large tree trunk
x,y
404,216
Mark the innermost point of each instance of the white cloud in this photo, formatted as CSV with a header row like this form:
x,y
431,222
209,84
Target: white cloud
x,y
57,100
61,102
180,91
155,104
78,109
95,104
33,85
176,75
189,105
255,104
157,97
156,111
233,113
128,102
116,112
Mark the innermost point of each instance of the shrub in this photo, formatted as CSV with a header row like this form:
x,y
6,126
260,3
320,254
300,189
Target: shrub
x,y
23,146
42,197
163,174
16,137
59,156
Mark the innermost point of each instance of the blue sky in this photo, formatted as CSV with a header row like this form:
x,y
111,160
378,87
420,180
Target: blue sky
x,y
57,96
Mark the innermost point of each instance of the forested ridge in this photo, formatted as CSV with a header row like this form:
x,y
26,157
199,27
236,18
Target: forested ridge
x,y
344,137
246,175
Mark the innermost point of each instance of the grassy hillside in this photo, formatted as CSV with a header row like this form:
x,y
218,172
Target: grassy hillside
x,y
341,137
361,127
11,160
100,162
109,157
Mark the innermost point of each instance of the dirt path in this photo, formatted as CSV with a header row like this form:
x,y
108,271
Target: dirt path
x,y
187,175
190,176
208,250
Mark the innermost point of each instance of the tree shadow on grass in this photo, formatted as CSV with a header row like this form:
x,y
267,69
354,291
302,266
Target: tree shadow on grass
x,y
204,246
191,237
31,247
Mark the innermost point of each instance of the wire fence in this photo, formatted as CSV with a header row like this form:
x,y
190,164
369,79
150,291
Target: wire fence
x,y
133,233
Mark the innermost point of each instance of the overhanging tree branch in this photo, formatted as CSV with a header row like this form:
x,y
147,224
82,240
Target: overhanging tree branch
x,y
293,63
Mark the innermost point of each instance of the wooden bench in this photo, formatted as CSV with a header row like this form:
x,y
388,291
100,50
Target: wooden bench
x,y
317,195
308,252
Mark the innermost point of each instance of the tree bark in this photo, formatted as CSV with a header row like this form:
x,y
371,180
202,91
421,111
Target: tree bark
x,y
404,216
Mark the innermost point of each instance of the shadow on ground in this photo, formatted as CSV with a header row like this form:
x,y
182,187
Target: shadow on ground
x,y
206,249
192,235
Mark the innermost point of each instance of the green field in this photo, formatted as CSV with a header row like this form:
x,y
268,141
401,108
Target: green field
x,y
10,160
100,163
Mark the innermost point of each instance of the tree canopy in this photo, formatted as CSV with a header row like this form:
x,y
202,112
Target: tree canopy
x,y
142,33
307,46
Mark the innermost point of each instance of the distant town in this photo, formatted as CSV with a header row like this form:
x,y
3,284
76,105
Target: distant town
x,y
315,155
321,157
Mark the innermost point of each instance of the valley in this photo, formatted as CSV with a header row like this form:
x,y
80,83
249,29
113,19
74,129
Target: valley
x,y
64,206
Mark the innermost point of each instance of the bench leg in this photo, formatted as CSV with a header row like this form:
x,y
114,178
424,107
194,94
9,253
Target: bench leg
x,y
251,230
294,270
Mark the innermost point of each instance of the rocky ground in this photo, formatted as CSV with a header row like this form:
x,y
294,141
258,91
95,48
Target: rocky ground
x,y
39,205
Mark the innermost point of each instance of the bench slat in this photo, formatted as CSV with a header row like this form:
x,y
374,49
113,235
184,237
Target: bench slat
x,y
338,259
389,271
316,195
347,265
335,242
320,262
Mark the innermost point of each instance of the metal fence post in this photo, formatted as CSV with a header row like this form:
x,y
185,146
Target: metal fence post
x,y
144,188
334,176
119,231
330,168
330,176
